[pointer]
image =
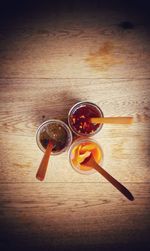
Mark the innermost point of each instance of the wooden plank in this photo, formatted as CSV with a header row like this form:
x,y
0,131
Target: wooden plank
x,y
66,216
48,62
76,44
27,103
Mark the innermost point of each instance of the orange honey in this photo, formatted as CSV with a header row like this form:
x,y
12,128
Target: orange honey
x,y
81,151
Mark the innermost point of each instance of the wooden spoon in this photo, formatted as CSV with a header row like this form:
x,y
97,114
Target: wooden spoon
x,y
40,175
90,161
112,120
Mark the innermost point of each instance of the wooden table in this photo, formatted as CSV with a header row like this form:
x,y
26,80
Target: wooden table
x,y
50,58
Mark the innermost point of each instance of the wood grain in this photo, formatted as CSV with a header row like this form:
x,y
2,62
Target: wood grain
x,y
78,44
67,215
49,60
24,107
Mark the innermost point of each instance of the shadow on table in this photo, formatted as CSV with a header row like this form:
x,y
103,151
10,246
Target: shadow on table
x,y
55,106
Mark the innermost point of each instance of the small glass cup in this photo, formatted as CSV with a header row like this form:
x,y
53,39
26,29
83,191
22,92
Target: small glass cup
x,y
83,142
79,115
59,129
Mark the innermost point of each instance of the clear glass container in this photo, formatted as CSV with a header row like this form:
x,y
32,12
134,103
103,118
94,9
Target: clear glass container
x,y
82,142
90,109
44,128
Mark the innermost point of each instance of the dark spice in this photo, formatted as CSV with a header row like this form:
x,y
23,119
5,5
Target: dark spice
x,y
80,119
54,133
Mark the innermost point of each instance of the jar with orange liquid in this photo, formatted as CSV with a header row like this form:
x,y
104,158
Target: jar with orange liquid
x,y
80,150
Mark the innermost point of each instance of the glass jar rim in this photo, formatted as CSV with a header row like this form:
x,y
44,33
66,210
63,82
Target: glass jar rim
x,y
82,140
76,105
64,125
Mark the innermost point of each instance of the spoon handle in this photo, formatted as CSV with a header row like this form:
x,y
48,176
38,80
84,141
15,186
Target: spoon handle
x,y
114,182
112,120
44,163
90,161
